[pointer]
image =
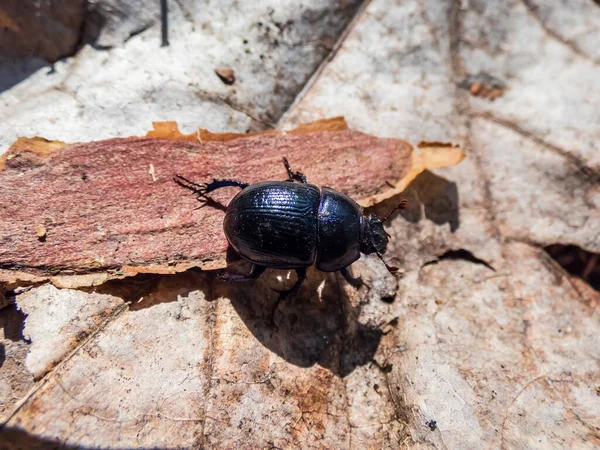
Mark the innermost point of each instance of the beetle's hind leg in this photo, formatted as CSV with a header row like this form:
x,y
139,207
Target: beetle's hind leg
x,y
283,295
255,272
204,188
293,176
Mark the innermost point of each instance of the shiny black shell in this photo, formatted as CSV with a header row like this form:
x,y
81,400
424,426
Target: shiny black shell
x,y
274,224
288,225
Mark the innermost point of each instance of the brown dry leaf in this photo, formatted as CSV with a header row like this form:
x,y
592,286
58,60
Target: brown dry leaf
x,y
104,217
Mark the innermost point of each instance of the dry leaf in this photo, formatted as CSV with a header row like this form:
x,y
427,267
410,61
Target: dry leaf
x,y
483,342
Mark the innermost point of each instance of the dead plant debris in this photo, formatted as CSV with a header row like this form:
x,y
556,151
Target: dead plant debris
x,y
226,75
484,85
40,231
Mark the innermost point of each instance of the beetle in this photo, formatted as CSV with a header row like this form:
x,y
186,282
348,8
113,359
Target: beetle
x,y
292,224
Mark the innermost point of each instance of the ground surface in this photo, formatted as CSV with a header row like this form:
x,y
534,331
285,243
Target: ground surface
x,y
484,341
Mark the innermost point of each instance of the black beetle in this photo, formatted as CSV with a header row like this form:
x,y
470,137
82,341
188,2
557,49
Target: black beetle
x,y
286,225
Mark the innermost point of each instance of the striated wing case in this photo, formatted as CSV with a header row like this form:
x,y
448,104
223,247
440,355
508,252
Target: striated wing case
x,y
274,223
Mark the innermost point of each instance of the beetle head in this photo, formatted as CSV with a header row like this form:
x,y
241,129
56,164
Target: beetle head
x,y
375,239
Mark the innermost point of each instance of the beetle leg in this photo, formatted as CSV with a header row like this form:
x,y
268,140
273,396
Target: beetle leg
x,y
293,176
391,269
355,282
301,273
255,272
218,184
204,188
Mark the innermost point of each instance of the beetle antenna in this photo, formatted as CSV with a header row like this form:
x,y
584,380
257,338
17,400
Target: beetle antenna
x,y
400,205
391,269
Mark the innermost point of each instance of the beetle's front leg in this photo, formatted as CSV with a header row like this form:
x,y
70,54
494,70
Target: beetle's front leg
x,y
204,188
255,272
355,282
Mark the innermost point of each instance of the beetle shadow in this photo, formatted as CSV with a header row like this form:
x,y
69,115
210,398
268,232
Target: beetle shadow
x,y
438,196
146,290
16,438
321,325
318,326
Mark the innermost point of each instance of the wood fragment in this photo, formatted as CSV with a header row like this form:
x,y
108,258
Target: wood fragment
x,y
117,221
40,231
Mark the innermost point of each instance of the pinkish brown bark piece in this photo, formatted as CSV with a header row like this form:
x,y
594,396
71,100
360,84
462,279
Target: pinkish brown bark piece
x,y
112,206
